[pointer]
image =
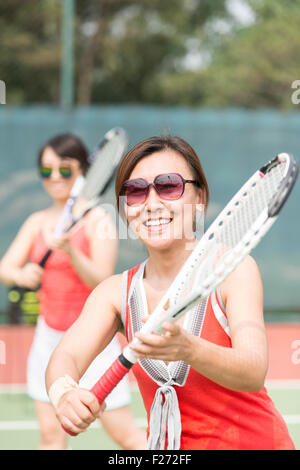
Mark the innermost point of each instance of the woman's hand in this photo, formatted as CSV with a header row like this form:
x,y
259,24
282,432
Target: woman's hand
x,y
175,344
30,276
77,409
62,243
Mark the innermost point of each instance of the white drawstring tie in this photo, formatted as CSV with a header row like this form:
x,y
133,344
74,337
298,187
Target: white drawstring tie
x,y
165,417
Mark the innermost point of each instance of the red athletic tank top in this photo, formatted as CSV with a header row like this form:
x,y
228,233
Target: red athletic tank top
x,y
63,293
214,417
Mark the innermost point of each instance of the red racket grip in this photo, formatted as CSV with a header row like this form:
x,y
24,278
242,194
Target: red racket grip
x,y
109,380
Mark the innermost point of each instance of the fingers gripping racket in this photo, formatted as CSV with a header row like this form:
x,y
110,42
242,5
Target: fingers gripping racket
x,y
229,239
87,190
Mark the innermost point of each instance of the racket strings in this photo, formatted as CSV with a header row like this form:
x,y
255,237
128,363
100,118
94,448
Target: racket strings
x,y
240,223
101,169
233,227
251,205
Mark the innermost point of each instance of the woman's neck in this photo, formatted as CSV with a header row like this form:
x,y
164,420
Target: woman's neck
x,y
58,205
163,266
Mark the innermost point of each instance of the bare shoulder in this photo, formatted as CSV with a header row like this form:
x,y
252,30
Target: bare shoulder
x,y
100,222
98,214
36,217
246,276
247,269
19,250
33,222
109,292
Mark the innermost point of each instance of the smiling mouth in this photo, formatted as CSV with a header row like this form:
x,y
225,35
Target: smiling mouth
x,y
157,222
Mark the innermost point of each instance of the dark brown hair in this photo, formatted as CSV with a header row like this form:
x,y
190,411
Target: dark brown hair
x,y
157,144
67,145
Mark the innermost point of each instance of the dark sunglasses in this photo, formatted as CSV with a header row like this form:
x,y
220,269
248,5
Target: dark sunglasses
x,y
45,172
169,186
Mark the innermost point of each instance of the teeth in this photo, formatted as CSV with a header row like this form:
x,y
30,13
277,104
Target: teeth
x,y
151,223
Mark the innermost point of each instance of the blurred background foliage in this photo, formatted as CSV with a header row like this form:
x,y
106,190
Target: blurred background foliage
x,y
220,53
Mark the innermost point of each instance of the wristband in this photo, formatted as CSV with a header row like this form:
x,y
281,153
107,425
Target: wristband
x,y
60,387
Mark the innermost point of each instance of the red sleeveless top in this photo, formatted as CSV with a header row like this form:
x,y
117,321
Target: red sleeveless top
x,y
63,293
214,417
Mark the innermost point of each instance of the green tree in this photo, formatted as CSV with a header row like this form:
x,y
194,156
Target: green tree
x,y
30,50
268,9
257,66
122,47
252,67
133,43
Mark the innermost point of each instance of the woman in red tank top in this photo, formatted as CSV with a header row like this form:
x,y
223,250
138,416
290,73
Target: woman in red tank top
x,y
203,388
80,261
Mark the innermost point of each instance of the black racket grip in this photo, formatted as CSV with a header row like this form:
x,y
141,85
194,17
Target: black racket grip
x,y
45,258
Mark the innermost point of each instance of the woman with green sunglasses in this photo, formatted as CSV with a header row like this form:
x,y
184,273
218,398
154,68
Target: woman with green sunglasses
x,y
80,261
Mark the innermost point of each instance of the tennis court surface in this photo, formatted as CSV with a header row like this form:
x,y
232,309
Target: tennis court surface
x,y
18,427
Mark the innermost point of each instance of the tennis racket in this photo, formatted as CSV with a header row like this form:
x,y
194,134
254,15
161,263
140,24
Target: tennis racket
x,y
228,240
86,193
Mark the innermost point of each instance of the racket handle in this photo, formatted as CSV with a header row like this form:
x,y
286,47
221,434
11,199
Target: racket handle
x,y
45,258
109,380
49,252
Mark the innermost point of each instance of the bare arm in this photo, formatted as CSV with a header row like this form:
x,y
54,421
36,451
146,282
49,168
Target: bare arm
x,y
87,337
13,267
90,334
242,367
